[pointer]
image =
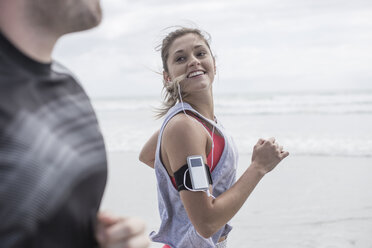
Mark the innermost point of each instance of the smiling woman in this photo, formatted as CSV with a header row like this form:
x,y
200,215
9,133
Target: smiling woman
x,y
189,217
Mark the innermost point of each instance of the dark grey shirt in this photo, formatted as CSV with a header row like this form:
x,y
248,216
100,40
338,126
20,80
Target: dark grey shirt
x,y
52,156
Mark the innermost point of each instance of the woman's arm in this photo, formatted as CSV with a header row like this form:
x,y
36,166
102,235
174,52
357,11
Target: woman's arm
x,y
182,138
147,154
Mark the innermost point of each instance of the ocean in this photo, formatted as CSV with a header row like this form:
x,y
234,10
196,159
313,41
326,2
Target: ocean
x,y
314,124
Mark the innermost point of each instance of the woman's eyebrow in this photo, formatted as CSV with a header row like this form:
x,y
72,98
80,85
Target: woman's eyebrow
x,y
181,50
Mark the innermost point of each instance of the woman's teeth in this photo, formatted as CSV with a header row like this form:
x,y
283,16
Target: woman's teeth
x,y
195,73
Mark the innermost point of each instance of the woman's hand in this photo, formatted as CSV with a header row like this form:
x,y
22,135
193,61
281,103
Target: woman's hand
x,y
267,154
120,232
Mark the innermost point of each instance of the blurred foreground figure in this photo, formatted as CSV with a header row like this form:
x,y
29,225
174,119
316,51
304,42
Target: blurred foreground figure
x,y
53,165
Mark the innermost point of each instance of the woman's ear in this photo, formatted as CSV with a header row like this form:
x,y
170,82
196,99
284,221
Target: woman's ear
x,y
166,77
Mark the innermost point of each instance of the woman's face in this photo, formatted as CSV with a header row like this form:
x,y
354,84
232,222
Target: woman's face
x,y
189,56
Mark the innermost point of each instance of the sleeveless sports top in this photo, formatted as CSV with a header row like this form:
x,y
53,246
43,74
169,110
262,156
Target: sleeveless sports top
x,y
176,229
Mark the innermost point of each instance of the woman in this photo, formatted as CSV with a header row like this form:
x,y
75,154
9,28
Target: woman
x,y
189,218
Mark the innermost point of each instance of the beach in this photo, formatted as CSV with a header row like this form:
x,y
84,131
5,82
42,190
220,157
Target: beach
x,y
306,202
319,196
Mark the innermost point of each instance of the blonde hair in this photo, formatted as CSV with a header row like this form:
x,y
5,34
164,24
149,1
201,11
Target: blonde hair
x,y
171,89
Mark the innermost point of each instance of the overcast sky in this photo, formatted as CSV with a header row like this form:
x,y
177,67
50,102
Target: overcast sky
x,y
261,45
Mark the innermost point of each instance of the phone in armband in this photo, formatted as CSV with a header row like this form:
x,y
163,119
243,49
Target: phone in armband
x,y
198,173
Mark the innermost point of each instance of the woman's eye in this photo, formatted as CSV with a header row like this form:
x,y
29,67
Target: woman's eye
x,y
180,59
201,54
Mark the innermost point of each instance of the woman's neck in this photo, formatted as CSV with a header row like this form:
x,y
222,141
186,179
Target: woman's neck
x,y
203,103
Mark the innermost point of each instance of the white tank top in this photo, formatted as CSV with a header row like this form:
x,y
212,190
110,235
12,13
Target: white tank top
x,y
176,229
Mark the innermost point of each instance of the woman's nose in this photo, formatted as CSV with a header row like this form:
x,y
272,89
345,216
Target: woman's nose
x,y
194,61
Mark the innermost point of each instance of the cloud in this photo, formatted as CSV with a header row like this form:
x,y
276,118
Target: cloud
x,y
260,45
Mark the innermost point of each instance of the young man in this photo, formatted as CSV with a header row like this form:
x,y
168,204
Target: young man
x,y
52,156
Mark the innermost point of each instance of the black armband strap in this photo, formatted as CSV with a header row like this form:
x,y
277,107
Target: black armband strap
x,y
180,174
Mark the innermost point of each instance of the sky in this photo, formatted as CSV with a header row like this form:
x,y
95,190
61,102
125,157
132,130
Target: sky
x,y
260,45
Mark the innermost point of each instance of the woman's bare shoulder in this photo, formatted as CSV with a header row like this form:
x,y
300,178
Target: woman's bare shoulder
x,y
182,125
184,131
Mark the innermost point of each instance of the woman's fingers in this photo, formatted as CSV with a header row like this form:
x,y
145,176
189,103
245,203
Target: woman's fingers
x,y
283,154
272,147
271,140
260,141
273,144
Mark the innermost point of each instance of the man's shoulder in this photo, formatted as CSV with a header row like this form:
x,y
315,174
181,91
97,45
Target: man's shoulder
x,y
10,81
62,70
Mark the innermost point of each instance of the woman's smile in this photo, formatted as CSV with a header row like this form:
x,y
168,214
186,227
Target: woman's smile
x,y
196,73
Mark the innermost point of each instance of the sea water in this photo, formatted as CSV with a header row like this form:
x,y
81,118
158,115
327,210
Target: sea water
x,y
306,123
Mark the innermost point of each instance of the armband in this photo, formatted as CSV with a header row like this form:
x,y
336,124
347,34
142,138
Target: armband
x,y
179,177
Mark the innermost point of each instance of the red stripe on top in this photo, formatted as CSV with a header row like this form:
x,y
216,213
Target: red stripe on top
x,y
219,145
